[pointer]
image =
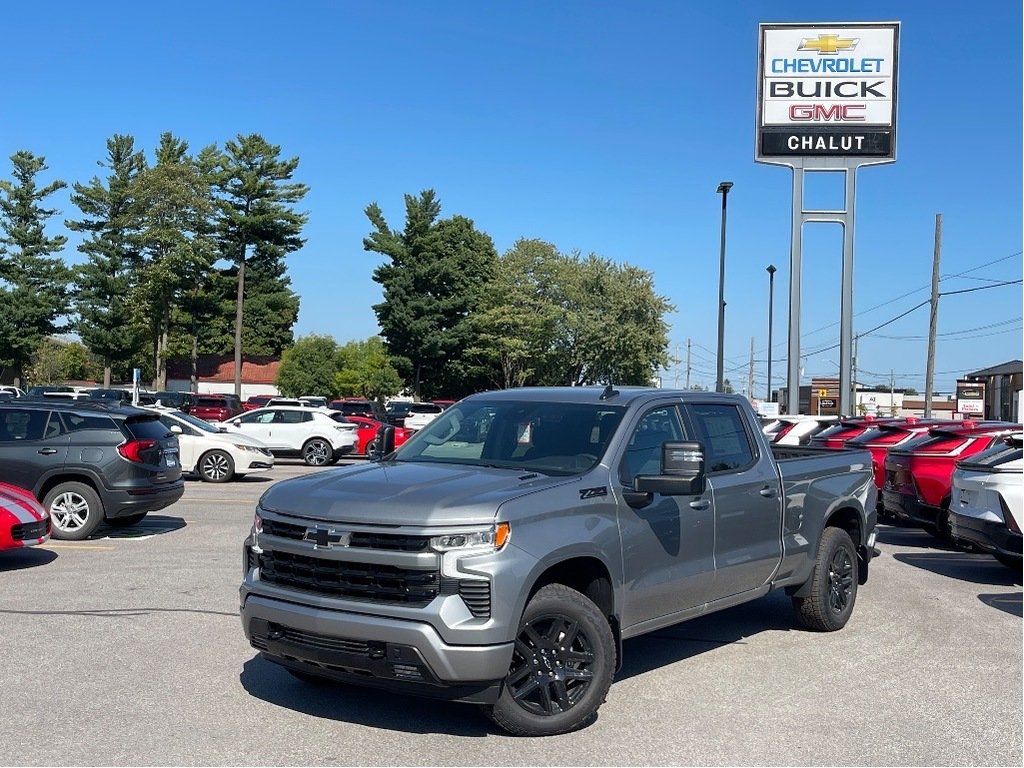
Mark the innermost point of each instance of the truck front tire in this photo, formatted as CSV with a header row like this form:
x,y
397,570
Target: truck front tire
x,y
562,665
833,587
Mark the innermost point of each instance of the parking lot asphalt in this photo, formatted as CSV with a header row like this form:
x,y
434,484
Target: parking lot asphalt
x,y
127,650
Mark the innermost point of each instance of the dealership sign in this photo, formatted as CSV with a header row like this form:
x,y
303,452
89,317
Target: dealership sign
x,y
970,398
827,90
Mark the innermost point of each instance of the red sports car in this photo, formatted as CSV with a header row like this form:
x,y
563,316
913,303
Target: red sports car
x,y
367,430
23,520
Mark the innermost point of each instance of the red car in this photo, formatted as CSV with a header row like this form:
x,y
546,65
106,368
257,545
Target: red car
x,y
919,474
256,401
216,407
835,435
23,520
881,437
367,430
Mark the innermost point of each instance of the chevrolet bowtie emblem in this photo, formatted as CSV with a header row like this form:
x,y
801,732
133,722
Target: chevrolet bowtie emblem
x,y
326,538
828,45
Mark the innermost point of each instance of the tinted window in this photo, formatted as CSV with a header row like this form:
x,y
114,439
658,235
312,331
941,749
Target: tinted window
x,y
17,424
721,429
257,417
147,428
1000,453
425,408
75,422
643,452
210,402
292,417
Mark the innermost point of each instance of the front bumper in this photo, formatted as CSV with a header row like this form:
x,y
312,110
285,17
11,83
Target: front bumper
x,y
987,535
408,656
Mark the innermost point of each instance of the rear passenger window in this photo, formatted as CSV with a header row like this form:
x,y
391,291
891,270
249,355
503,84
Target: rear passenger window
x,y
721,429
16,424
75,422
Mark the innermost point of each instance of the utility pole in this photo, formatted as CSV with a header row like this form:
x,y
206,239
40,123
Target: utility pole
x,y
688,363
853,381
934,321
750,371
892,393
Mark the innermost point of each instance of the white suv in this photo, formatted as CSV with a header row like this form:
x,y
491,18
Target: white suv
x,y
421,414
214,455
310,433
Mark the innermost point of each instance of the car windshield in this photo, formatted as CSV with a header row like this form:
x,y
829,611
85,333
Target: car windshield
x,y
544,437
196,422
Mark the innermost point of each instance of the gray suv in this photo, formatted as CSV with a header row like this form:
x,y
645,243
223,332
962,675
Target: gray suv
x,y
89,462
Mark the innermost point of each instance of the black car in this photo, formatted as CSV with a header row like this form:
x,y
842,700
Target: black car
x,y
371,409
180,400
88,462
396,413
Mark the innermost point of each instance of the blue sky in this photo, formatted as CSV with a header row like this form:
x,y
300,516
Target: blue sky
x,y
600,127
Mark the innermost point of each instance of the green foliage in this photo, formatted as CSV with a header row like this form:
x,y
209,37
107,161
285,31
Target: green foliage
x,y
255,200
365,370
106,282
34,286
55,361
172,210
308,368
432,282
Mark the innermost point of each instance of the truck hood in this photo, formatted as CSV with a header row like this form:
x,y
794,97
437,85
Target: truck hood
x,y
404,493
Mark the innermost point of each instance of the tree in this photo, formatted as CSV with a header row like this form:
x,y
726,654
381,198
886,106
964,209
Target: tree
x,y
514,328
57,361
105,283
33,284
308,368
255,202
173,208
432,283
365,370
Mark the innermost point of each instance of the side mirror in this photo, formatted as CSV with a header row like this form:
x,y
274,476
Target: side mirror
x,y
176,429
682,471
383,444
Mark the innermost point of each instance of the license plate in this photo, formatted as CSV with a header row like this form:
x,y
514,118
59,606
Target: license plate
x,y
171,459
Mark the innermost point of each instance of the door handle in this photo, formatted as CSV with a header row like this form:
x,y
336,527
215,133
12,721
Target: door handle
x,y
768,492
47,451
700,504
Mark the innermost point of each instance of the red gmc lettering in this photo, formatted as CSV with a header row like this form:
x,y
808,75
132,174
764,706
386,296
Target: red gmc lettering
x,y
825,112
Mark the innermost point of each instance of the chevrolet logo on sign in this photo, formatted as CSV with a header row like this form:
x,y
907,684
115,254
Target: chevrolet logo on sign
x,y
326,538
828,45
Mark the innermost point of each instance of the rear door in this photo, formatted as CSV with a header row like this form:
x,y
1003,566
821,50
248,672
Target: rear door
x,y
160,455
291,428
33,444
746,496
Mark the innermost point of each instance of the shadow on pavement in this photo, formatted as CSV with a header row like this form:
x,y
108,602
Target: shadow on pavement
x,y
151,525
25,557
683,641
1010,602
977,569
365,706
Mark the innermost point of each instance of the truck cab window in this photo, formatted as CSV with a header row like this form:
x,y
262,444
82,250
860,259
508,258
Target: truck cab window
x,y
726,442
643,452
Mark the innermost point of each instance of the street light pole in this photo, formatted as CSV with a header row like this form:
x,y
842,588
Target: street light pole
x,y
724,188
771,300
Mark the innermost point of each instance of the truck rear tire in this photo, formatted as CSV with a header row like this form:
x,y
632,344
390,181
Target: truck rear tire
x,y
562,666
833,588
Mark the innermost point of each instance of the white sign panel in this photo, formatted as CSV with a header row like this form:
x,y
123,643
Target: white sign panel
x,y
827,90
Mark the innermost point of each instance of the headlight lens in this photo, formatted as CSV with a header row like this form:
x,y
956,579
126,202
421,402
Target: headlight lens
x,y
241,447
487,539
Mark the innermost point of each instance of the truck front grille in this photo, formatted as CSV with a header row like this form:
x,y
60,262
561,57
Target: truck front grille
x,y
358,581
389,541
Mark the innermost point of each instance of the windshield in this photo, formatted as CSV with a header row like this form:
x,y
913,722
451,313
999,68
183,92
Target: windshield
x,y
545,437
196,422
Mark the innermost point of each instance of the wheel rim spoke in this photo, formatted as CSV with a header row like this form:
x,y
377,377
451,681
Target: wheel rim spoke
x,y
550,671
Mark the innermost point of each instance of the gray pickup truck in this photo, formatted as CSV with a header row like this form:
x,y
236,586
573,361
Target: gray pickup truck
x,y
504,553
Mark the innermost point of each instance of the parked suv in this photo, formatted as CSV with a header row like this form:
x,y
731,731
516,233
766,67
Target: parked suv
x,y
311,433
216,407
89,462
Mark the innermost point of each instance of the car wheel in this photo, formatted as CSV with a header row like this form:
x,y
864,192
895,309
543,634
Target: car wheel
x,y
562,666
833,584
216,466
75,511
317,452
1013,563
126,522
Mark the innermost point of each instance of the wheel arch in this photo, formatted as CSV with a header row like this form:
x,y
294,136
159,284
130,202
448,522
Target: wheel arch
x,y
52,481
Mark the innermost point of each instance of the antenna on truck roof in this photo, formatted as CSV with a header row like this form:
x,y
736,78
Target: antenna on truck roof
x,y
609,391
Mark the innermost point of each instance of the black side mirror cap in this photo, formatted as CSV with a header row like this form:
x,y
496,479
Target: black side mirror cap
x,y
682,471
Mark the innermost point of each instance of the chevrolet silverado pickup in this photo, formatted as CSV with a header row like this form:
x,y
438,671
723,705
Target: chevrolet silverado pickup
x,y
504,553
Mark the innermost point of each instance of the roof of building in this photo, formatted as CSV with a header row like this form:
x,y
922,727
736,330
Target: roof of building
x,y
221,368
1004,369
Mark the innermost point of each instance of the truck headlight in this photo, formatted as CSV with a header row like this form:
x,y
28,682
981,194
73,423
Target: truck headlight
x,y
484,540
